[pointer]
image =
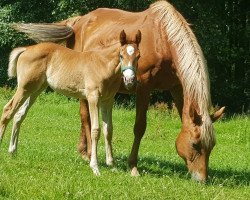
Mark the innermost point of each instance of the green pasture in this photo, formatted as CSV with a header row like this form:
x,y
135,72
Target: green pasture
x,y
48,166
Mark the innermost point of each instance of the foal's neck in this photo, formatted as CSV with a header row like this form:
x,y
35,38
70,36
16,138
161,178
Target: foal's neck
x,y
110,56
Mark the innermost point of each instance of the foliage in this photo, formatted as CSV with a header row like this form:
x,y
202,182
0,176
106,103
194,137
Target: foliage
x,y
221,26
47,165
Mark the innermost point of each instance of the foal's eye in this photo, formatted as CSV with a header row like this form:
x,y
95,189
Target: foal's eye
x,y
121,57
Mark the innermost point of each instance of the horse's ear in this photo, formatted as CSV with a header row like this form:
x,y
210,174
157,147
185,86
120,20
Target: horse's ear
x,y
138,37
218,114
123,38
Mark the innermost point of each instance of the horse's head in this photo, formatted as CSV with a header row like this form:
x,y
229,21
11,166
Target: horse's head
x,y
129,55
195,142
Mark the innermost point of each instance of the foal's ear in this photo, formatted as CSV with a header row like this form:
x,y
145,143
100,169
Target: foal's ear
x,y
123,38
138,37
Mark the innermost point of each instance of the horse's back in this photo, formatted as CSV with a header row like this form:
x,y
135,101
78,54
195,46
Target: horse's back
x,y
100,28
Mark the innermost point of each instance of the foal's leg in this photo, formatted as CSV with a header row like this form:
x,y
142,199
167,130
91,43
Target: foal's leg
x,y
93,99
106,108
84,146
142,101
18,119
11,108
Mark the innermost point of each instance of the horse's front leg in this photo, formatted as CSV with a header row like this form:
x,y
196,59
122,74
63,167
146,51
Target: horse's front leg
x,y
93,99
84,146
142,101
106,108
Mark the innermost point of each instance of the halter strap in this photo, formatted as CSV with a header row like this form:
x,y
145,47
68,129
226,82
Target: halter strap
x,y
123,68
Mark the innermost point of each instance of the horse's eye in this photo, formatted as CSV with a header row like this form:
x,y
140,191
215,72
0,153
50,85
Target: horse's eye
x,y
197,146
121,57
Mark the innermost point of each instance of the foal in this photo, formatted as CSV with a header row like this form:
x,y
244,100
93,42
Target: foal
x,y
83,75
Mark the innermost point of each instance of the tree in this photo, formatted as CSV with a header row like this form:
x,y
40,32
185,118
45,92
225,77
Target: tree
x,y
221,26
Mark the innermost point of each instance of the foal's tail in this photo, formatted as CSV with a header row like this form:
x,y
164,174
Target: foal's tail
x,y
14,55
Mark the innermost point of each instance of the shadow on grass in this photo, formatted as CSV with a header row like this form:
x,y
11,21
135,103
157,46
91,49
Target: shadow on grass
x,y
160,168
3,192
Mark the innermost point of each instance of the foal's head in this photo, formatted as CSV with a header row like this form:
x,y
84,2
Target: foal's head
x,y
129,55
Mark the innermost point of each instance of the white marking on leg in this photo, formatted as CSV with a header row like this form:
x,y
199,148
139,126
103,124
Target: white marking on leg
x,y
108,132
18,118
4,119
95,134
95,130
130,50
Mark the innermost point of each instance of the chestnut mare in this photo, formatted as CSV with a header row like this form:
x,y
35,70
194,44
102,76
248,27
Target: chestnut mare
x,y
91,75
171,60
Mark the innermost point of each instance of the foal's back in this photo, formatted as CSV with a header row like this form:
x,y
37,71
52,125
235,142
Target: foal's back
x,y
62,69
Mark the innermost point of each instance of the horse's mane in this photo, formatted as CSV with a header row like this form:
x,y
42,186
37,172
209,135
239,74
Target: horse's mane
x,y
190,63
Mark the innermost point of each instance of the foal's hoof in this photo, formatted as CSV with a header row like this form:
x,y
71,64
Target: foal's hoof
x,y
12,150
134,172
96,171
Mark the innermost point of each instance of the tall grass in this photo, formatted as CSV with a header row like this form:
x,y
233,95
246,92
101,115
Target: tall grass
x,y
47,165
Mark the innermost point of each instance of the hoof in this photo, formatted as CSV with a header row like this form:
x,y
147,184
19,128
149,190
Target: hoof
x,y
12,150
84,154
96,171
85,157
134,172
110,163
114,170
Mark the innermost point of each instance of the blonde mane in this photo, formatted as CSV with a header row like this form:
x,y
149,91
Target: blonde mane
x,y
190,63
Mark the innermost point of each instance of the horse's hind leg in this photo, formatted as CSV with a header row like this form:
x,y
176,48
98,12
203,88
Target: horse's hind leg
x,y
18,119
10,109
106,108
84,146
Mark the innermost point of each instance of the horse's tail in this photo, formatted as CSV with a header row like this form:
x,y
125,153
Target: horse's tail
x,y
190,63
14,55
44,32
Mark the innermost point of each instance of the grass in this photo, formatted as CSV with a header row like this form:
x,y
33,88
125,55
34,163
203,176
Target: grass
x,y
47,165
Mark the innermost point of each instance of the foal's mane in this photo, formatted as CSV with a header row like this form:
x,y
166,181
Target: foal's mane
x,y
190,63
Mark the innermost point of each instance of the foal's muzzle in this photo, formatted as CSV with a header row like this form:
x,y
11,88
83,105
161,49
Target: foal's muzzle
x,y
129,78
